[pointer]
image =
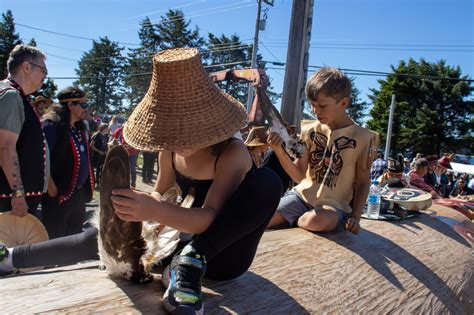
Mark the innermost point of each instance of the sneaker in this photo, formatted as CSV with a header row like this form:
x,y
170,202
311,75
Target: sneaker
x,y
4,253
183,295
165,276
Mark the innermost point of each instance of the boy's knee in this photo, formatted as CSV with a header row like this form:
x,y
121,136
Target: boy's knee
x,y
318,221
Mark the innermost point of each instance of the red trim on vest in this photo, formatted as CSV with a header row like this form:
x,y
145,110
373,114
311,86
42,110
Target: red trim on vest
x,y
75,173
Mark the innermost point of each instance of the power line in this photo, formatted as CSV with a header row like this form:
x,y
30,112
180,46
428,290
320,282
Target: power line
x,y
314,46
68,35
163,10
379,73
217,50
369,44
146,73
207,12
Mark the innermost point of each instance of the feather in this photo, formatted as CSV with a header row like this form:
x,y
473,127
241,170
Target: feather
x,y
129,249
293,146
121,244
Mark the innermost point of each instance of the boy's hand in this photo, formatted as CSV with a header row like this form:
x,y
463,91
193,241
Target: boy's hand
x,y
353,225
275,141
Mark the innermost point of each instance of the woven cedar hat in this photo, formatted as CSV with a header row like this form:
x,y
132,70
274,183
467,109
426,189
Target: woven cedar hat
x,y
182,109
445,162
41,98
257,136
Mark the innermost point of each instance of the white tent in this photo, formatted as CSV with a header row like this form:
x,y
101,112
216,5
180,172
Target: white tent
x,y
462,168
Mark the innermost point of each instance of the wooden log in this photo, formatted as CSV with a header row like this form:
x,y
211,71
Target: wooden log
x,y
420,265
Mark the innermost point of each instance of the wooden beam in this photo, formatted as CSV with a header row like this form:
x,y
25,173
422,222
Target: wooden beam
x,y
413,266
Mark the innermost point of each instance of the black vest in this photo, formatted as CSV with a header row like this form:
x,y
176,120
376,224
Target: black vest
x,y
64,164
31,152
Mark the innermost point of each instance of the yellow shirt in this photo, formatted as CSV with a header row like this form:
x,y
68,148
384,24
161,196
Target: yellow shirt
x,y
334,157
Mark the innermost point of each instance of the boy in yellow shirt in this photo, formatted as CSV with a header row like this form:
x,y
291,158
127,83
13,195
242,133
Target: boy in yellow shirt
x,y
333,174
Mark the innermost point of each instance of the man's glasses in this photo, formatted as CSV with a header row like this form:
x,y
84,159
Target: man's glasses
x,y
45,72
83,105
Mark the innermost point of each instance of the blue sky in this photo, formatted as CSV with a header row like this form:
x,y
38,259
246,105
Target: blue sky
x,y
355,34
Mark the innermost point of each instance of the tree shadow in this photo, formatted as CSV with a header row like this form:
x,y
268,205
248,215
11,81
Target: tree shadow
x,y
441,225
379,252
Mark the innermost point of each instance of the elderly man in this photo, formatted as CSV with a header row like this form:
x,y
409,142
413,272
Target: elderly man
x,y
23,160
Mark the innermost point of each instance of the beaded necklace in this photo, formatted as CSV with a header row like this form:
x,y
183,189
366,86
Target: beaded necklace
x,y
78,136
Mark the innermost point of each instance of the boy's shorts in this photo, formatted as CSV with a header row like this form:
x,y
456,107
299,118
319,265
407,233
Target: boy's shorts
x,y
292,206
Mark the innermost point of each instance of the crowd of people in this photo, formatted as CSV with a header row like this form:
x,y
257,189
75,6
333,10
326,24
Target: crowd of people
x,y
241,187
430,173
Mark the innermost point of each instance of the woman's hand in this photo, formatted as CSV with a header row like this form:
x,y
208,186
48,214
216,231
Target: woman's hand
x,y
131,205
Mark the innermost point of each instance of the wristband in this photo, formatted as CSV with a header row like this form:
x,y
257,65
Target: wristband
x,y
17,193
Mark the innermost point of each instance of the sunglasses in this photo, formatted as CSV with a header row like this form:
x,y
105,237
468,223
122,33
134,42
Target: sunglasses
x,y
83,105
45,72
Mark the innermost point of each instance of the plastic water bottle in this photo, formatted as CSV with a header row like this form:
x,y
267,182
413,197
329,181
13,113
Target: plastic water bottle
x,y
373,201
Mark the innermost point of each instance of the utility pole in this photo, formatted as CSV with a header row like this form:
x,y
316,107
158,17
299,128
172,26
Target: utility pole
x,y
297,61
254,55
389,128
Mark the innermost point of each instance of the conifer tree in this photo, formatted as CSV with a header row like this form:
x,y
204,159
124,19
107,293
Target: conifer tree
x,y
9,38
100,72
432,115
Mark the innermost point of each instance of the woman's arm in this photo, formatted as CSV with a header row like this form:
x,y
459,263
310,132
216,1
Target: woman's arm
x,y
231,168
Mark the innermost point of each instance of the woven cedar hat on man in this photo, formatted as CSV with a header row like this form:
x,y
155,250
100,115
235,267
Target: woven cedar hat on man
x,y
183,108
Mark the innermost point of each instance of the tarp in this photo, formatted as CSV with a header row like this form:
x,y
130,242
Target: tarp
x,y
462,168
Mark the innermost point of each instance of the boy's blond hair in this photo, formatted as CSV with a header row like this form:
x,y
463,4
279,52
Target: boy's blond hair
x,y
330,81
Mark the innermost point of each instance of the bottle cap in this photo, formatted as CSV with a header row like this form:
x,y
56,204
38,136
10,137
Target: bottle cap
x,y
375,182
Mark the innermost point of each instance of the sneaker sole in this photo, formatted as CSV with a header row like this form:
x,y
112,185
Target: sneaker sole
x,y
180,310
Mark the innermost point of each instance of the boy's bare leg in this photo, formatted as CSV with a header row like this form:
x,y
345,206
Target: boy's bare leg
x,y
321,219
276,220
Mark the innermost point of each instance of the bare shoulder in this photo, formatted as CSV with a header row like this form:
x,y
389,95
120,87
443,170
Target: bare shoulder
x,y
236,153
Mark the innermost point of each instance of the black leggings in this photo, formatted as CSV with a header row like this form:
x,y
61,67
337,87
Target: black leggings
x,y
66,250
229,244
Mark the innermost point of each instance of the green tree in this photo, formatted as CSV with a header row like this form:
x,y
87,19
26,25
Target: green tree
x,y
225,52
32,42
139,65
9,38
49,88
174,32
100,74
432,115
220,54
357,109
